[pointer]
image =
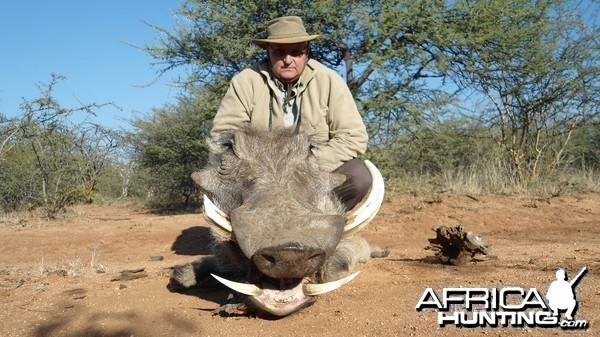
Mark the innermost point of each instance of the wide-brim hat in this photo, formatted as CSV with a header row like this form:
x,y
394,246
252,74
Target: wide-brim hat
x,y
287,29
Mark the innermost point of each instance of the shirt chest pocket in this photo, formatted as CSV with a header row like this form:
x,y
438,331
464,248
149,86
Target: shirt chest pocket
x,y
318,126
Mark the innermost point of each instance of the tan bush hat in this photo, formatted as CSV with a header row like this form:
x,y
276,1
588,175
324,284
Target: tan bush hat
x,y
287,29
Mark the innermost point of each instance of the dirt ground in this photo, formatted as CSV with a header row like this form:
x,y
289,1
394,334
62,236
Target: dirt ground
x,y
61,278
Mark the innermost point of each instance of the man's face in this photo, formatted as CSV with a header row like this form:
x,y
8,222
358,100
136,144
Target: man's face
x,y
288,60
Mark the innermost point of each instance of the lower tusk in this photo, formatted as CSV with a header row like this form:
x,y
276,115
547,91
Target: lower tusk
x,y
244,288
321,288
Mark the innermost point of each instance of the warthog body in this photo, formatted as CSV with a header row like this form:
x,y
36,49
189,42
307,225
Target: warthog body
x,y
279,231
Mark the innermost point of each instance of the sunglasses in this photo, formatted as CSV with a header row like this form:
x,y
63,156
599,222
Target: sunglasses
x,y
277,52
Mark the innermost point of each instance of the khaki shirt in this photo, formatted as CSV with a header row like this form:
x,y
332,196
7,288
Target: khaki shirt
x,y
325,106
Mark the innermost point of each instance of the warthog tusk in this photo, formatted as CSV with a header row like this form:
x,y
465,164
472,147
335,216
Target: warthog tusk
x,y
367,211
321,288
217,218
308,289
244,288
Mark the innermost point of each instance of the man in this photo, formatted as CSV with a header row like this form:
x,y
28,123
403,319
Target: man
x,y
288,89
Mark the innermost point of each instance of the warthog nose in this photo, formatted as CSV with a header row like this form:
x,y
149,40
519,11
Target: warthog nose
x,y
289,260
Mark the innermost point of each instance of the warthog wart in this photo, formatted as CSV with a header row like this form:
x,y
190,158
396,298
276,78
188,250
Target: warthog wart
x,y
280,235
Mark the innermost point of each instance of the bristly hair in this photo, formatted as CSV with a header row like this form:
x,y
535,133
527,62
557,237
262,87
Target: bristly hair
x,y
263,155
223,141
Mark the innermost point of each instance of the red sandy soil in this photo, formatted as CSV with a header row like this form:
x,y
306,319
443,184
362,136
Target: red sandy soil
x,y
56,277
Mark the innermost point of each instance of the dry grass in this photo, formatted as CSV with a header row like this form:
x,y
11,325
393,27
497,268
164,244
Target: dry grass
x,y
495,178
73,267
22,219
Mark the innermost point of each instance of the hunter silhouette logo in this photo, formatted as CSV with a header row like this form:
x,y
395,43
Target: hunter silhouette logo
x,y
508,306
561,293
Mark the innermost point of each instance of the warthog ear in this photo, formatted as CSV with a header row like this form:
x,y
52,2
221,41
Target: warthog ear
x,y
239,145
205,181
220,142
199,177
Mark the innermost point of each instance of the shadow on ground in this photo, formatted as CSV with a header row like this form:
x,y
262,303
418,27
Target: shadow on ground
x,y
193,241
112,325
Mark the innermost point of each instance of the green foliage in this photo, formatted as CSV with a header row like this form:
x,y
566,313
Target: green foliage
x,y
49,162
18,175
584,149
433,149
170,145
519,77
476,96
537,79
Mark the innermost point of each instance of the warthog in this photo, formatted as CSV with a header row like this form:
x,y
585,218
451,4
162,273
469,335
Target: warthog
x,y
281,236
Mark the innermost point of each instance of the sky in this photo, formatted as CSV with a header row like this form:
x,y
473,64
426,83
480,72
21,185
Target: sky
x,y
88,42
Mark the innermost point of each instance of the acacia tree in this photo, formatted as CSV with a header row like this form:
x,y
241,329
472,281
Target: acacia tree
x,y
95,144
536,93
405,61
384,49
56,158
169,145
8,131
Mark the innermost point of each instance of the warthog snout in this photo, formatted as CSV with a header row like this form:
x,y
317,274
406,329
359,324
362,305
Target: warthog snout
x,y
291,260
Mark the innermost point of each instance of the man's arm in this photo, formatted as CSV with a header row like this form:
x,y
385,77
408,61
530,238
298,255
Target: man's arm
x,y
347,131
234,109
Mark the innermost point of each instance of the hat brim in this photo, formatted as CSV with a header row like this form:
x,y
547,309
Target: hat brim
x,y
264,42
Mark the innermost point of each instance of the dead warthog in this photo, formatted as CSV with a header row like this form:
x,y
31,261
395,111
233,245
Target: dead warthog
x,y
280,234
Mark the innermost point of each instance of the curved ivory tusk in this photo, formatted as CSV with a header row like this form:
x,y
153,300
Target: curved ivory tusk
x,y
217,218
367,211
244,288
311,289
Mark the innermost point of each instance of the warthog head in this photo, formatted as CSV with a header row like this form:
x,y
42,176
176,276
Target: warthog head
x,y
271,205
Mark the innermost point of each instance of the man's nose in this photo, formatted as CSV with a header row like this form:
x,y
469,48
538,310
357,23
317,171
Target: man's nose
x,y
287,59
